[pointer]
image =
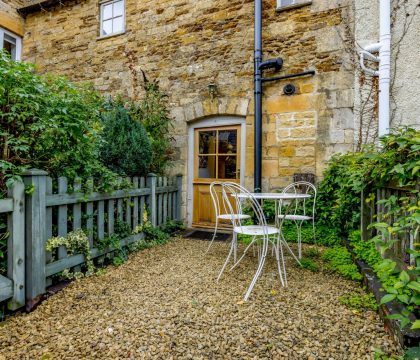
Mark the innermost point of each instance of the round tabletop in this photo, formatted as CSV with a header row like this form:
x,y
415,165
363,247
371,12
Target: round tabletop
x,y
273,196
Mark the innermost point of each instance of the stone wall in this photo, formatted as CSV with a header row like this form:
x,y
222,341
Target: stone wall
x,y
185,45
9,17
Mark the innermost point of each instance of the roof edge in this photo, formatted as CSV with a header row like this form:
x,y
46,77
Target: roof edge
x,y
42,5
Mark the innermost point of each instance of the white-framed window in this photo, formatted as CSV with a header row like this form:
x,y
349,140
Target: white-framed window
x,y
11,43
112,17
291,3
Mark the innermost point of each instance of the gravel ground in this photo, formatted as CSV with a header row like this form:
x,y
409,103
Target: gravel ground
x,y
164,303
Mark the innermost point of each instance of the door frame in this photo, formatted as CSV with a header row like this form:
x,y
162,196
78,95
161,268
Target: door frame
x,y
214,121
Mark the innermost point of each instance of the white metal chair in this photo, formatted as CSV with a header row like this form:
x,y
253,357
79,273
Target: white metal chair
x,y
300,213
220,211
260,230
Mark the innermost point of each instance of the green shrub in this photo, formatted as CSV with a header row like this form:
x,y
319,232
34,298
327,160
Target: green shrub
x,y
359,301
309,264
152,111
339,260
126,148
312,253
47,123
323,234
364,250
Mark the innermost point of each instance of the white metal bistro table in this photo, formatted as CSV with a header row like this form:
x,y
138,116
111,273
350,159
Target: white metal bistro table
x,y
274,196
288,198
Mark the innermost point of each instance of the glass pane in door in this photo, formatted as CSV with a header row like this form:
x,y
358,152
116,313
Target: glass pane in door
x,y
228,140
207,142
227,167
207,167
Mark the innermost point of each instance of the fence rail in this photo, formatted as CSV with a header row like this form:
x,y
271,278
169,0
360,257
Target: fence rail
x,y
55,208
373,210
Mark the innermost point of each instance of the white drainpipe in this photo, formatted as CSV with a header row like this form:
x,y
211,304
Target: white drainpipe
x,y
384,60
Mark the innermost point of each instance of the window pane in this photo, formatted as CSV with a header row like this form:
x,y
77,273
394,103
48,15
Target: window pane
x,y
228,141
10,48
227,167
9,39
107,27
118,8
107,12
207,167
287,2
118,25
207,142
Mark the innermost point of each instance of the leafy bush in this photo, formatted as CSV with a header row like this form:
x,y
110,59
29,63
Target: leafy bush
x,y
359,301
125,148
339,260
309,264
364,250
47,123
153,113
324,235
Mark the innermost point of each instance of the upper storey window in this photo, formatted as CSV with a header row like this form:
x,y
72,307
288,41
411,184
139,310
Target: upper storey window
x,y
112,17
282,4
11,43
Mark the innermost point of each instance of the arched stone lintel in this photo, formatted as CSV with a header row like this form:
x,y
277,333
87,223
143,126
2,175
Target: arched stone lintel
x,y
220,106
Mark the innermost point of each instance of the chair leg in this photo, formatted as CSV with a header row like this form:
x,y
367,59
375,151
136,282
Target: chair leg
x,y
313,230
282,239
227,260
214,237
243,255
278,259
284,264
235,244
259,269
300,240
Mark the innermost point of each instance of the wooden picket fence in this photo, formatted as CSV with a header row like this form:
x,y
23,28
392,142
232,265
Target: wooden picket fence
x,y
373,211
44,213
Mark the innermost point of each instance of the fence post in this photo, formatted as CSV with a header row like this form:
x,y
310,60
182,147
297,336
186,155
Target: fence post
x,y
35,233
16,245
178,197
151,199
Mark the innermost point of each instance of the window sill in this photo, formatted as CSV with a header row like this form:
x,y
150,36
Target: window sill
x,y
294,6
104,37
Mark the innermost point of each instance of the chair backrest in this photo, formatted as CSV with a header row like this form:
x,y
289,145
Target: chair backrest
x,y
234,204
302,187
215,197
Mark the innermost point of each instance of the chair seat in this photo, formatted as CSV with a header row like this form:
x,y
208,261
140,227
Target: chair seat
x,y
295,217
233,216
255,230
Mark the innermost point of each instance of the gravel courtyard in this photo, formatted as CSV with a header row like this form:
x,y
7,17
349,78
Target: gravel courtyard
x,y
164,303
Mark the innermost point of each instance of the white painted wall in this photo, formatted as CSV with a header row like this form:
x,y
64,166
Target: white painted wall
x,y
405,56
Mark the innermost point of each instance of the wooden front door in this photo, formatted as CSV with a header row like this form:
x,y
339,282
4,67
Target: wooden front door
x,y
216,158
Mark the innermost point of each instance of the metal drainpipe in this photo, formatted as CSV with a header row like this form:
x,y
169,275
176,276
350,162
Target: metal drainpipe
x,y
257,96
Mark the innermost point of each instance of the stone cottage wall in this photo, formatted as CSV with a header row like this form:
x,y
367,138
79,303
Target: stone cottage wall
x,y
9,17
185,45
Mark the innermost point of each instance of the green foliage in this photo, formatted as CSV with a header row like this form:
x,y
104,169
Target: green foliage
x,y
312,253
324,235
126,147
364,250
173,226
397,162
47,123
359,301
339,260
155,235
309,264
402,286
76,242
153,113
